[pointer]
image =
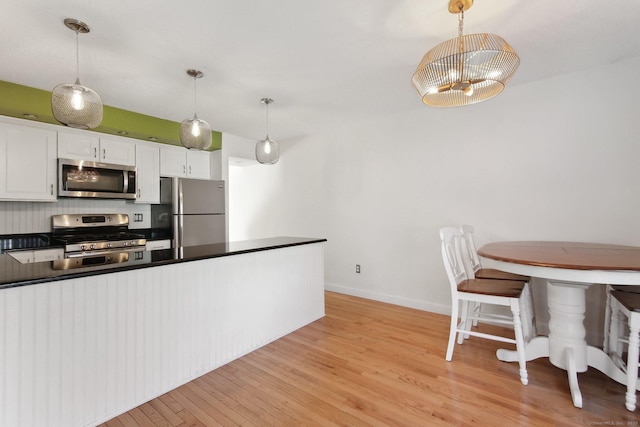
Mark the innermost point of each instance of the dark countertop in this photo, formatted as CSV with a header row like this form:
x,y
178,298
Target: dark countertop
x,y
14,274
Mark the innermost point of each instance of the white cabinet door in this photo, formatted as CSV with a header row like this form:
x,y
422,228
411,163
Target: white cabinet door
x,y
28,166
173,161
118,151
148,165
198,164
78,146
84,145
183,163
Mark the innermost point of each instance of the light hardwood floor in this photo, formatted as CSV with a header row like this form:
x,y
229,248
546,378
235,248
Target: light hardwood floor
x,y
370,363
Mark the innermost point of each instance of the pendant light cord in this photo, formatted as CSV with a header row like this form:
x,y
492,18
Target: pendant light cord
x,y
460,43
267,104
77,59
195,97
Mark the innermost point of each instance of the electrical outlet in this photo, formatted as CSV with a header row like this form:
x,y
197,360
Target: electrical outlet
x,y
357,268
137,217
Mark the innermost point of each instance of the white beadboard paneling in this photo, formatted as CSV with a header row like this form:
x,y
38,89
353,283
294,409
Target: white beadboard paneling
x,y
41,350
3,357
53,382
12,326
34,217
78,352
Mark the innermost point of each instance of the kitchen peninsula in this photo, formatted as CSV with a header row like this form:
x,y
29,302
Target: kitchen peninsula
x,y
81,346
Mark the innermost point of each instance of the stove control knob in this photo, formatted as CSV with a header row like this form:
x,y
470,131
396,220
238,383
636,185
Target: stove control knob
x,y
109,245
83,247
93,246
125,244
133,243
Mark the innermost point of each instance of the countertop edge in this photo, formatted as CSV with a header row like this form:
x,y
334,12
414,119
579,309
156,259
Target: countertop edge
x,y
296,241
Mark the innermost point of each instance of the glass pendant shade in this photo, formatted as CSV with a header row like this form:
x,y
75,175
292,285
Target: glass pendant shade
x,y
267,151
76,105
465,70
195,133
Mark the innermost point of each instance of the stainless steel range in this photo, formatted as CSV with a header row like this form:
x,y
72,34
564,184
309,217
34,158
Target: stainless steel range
x,y
94,239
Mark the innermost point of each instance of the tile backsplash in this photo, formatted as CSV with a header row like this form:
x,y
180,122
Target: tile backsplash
x,y
35,217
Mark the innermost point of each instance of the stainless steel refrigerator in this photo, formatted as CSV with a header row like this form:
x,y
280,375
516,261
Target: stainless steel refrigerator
x,y
198,212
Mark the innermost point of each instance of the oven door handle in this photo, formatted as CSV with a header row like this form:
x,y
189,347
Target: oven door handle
x,y
85,254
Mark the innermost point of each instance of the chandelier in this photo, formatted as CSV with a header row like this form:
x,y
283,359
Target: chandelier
x,y
465,70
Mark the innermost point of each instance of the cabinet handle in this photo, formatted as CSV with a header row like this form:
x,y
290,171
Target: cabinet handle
x,y
52,189
184,169
104,153
189,169
95,153
139,192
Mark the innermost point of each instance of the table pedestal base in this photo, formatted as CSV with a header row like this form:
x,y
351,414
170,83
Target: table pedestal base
x,y
566,346
596,358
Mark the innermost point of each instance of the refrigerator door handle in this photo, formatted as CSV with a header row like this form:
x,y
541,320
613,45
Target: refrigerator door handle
x,y
180,216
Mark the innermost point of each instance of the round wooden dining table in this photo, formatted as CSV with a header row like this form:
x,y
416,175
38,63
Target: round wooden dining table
x,y
569,269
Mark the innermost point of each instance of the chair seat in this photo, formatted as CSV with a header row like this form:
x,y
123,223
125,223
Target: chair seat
x,y
490,273
624,288
630,300
501,288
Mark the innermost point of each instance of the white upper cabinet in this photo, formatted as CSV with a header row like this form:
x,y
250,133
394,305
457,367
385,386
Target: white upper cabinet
x,y
198,164
148,176
173,161
28,166
78,146
118,151
183,163
29,153
88,146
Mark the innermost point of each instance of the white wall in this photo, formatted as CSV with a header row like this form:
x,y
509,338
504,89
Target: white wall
x,y
555,160
273,200
548,160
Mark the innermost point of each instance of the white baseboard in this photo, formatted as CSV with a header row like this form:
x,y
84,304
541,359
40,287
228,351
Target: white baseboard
x,y
391,299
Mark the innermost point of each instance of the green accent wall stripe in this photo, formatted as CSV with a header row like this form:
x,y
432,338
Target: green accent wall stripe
x,y
24,102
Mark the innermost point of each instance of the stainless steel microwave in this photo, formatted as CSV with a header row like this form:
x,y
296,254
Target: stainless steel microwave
x,y
79,178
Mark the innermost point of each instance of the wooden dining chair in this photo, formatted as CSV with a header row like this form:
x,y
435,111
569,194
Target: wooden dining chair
x,y
474,269
467,290
626,305
607,309
472,261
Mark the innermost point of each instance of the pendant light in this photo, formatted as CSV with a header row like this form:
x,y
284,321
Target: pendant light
x,y
267,150
195,133
467,69
76,105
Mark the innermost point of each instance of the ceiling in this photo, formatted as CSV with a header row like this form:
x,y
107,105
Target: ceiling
x,y
324,63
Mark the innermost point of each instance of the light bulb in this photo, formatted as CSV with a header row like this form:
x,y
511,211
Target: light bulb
x,y
468,90
195,128
267,147
77,100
